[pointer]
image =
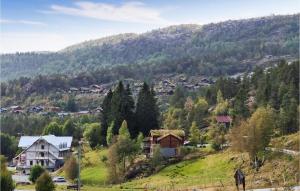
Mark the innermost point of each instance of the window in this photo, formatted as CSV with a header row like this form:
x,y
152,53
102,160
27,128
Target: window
x,y
42,154
42,162
42,147
31,163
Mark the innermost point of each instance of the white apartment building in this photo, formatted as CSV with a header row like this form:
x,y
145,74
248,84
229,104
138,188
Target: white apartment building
x,y
48,151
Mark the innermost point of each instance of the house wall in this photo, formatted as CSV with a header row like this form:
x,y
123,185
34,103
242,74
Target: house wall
x,y
170,142
34,154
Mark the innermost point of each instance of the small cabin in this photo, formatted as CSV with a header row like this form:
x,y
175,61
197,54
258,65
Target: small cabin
x,y
168,140
224,119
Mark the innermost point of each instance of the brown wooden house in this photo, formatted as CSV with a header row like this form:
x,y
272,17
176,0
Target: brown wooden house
x,y
168,140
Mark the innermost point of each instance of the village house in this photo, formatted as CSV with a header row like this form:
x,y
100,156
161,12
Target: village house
x,y
224,119
168,140
48,151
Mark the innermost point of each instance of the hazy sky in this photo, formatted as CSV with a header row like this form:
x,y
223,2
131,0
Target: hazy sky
x,y
50,25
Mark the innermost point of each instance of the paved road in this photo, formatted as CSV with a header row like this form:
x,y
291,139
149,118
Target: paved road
x,y
20,178
296,188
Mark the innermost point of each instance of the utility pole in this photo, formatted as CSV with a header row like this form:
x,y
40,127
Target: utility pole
x,y
79,159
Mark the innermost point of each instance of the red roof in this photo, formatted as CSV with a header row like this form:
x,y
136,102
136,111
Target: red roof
x,y
223,119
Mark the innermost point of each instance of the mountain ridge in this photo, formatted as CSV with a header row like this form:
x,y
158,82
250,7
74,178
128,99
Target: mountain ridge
x,y
219,47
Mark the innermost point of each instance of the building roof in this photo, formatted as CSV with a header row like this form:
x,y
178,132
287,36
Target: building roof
x,y
163,132
223,119
27,141
167,135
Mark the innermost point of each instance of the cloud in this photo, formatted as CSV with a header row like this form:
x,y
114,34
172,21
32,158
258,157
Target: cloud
x,y
134,12
25,22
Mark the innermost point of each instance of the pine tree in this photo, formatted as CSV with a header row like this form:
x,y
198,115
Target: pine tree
x,y
106,113
129,114
122,107
123,131
109,135
146,114
178,98
71,105
240,107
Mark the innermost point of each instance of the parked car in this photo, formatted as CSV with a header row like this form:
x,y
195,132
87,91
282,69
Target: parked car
x,y
59,179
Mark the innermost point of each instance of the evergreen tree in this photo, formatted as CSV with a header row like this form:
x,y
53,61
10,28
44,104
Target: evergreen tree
x,y
110,135
240,107
71,105
122,107
146,114
123,131
129,114
106,114
178,98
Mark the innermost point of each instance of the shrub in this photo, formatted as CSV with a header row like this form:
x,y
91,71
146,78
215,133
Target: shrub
x,y
44,183
35,172
7,183
157,157
71,168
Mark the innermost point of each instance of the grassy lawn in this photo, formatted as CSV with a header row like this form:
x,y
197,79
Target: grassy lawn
x,y
208,171
95,172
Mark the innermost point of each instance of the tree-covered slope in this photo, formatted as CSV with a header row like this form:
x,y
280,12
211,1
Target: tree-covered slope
x,y
210,49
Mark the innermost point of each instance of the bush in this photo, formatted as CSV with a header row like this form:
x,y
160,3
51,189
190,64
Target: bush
x,y
71,168
185,150
35,172
7,183
157,157
44,183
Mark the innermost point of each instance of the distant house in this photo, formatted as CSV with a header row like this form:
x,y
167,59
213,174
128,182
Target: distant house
x,y
54,109
96,86
63,114
48,151
36,109
224,119
3,110
72,89
83,112
168,140
15,108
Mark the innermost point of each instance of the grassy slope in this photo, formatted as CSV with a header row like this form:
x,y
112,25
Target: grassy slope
x,y
95,172
291,142
211,171
203,171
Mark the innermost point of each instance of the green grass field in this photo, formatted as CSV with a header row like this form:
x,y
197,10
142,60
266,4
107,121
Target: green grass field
x,y
96,172
212,170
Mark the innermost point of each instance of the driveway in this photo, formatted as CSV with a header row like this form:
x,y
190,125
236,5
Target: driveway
x,y
20,178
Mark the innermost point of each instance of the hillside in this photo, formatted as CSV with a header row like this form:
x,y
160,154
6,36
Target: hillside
x,y
212,171
213,49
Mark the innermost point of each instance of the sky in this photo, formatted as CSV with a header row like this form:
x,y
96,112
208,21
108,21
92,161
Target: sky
x,y
51,25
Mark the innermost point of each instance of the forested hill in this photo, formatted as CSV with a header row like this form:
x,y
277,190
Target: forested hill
x,y
212,49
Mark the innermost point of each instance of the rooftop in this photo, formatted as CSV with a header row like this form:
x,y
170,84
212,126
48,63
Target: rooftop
x,y
163,132
27,141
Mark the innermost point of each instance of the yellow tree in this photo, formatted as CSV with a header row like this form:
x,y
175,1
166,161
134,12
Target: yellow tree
x,y
253,136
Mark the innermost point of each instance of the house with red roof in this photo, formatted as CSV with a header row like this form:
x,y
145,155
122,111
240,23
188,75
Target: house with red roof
x,y
224,119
